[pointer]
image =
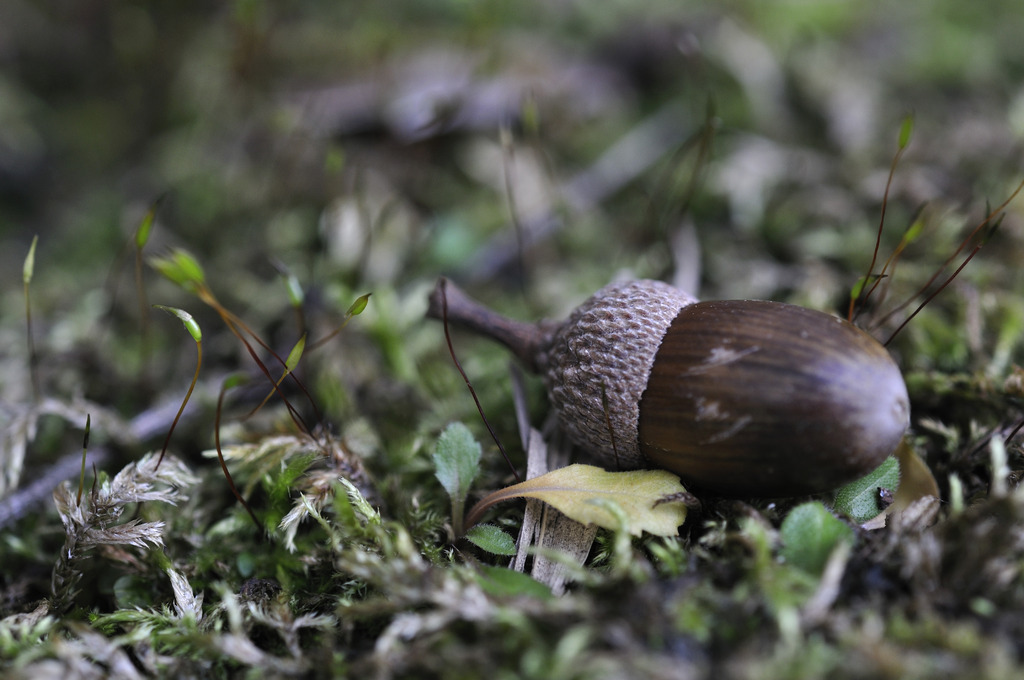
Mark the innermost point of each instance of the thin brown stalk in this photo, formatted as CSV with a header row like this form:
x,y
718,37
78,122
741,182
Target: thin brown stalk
x,y
220,457
476,400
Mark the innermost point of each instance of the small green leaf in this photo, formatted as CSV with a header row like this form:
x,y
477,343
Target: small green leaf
x,y
906,128
133,591
991,229
246,563
181,268
186,319
529,116
234,380
358,502
457,460
457,463
296,354
359,305
334,160
913,231
809,534
85,449
858,287
146,225
492,539
279,486
859,500
30,261
504,582
296,295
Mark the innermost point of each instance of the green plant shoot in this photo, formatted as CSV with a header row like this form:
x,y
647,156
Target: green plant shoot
x,y
492,539
289,365
296,295
182,268
27,271
457,463
85,448
858,500
355,309
142,233
809,534
906,128
230,382
146,226
193,328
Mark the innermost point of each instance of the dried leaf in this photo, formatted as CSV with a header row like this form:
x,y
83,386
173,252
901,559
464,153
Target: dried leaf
x,y
556,543
582,491
916,479
186,603
134,532
96,520
561,548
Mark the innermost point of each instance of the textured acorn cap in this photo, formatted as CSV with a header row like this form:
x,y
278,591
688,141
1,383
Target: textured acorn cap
x,y
597,364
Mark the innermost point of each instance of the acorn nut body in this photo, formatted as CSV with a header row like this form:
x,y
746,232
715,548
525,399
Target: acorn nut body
x,y
737,397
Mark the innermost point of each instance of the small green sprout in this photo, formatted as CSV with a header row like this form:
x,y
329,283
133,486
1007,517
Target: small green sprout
x,y
27,271
355,309
193,328
230,382
85,448
457,463
809,534
492,539
142,233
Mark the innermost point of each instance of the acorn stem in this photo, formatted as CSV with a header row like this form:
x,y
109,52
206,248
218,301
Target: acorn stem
x,y
525,340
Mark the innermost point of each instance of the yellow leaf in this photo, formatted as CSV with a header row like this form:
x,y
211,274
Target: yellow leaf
x,y
649,500
916,479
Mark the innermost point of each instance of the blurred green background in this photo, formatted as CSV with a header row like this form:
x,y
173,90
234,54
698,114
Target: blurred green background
x,y
256,119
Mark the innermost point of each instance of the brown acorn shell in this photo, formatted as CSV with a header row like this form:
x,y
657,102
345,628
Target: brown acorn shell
x,y
756,398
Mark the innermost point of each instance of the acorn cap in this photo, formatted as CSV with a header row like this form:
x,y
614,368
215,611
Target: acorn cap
x,y
597,364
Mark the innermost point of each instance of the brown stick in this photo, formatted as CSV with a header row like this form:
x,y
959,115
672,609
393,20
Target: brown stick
x,y
527,341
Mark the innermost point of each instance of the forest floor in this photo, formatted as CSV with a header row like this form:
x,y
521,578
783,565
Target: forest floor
x,y
257,168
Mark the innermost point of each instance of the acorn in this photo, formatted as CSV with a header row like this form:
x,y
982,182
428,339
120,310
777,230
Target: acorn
x,y
740,398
